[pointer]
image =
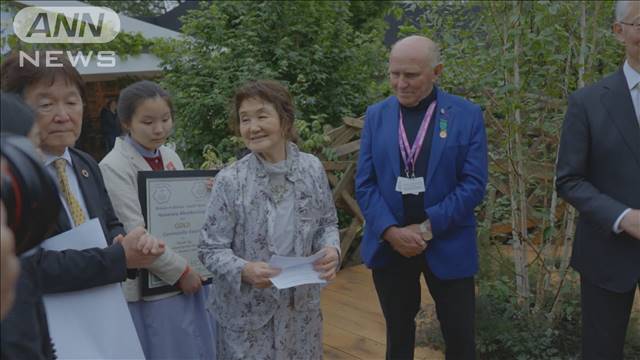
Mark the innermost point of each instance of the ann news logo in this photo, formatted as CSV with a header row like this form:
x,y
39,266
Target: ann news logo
x,y
68,25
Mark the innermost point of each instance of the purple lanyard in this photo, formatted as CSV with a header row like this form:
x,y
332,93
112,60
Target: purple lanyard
x,y
410,154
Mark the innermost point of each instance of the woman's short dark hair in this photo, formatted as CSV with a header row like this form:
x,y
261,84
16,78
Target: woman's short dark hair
x,y
19,74
275,94
133,95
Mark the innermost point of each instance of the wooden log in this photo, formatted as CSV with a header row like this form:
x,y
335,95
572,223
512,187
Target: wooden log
x,y
346,149
336,165
350,234
353,205
333,179
354,122
336,131
505,228
500,185
343,137
344,181
341,204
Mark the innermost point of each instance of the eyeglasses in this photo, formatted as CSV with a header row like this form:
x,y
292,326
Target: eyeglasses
x,y
635,25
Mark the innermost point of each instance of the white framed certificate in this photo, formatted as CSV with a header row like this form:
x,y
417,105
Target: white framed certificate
x,y
173,205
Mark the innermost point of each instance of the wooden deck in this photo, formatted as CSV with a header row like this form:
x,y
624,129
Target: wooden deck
x,y
353,322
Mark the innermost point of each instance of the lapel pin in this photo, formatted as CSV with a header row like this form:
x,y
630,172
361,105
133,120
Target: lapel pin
x,y
84,173
443,128
443,124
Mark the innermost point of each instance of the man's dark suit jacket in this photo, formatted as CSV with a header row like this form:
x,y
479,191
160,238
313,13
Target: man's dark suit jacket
x,y
598,172
25,332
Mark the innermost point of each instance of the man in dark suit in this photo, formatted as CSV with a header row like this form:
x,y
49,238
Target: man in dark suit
x,y
598,172
56,95
422,170
109,123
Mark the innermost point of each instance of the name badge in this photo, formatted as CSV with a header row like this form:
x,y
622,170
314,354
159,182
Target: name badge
x,y
412,186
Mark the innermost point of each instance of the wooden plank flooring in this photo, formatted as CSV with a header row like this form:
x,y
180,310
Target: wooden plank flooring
x,y
353,323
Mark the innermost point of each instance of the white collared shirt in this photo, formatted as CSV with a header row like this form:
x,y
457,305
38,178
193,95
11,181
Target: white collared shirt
x,y
633,80
73,182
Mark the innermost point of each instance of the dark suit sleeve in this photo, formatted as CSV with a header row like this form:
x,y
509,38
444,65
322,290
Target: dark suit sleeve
x,y
374,208
573,167
472,182
71,270
114,226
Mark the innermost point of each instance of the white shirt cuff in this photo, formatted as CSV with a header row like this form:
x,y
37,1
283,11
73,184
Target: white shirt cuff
x,y
616,225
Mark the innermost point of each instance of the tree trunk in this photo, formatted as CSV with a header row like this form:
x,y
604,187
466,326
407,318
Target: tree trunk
x,y
517,184
569,229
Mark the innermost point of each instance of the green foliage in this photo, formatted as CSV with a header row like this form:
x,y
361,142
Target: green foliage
x,y
505,332
632,347
367,15
331,68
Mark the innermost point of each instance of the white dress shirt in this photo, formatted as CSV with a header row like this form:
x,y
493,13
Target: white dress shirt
x,y
73,182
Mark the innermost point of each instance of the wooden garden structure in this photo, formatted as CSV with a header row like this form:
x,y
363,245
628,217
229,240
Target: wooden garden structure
x,y
345,142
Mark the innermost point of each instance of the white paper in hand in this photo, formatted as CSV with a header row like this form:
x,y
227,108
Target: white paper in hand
x,y
295,271
93,323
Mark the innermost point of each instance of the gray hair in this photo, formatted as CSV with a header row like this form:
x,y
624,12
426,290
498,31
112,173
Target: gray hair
x,y
622,9
434,52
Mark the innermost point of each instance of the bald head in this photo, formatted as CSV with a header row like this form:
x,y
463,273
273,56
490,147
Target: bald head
x,y
418,47
414,67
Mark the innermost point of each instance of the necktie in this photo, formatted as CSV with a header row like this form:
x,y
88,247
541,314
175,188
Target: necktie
x,y
74,206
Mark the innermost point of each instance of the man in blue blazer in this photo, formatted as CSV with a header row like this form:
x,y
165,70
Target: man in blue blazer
x,y
421,172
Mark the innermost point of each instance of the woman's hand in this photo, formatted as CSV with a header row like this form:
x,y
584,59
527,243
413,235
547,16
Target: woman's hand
x,y
258,274
327,265
190,281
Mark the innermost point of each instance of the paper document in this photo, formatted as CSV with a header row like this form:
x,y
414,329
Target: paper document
x,y
93,323
295,271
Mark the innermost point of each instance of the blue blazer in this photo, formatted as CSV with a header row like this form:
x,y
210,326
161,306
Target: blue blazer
x,y
455,184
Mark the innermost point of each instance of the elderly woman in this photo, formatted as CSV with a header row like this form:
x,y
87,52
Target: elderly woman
x,y
274,201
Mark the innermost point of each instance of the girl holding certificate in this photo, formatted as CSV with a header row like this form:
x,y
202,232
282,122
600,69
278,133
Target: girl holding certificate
x,y
175,325
274,201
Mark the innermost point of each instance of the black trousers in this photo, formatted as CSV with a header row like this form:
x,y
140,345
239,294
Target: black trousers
x,y
398,288
605,318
